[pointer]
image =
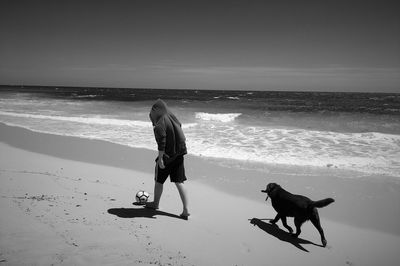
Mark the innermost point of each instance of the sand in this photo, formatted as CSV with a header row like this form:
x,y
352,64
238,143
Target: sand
x,y
68,201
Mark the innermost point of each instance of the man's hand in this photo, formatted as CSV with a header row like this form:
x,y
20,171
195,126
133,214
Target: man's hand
x,y
161,163
160,160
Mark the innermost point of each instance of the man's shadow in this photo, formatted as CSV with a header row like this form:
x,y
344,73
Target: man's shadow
x,y
140,213
275,231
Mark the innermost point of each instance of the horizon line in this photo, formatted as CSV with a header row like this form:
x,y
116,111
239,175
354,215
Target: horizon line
x,y
190,89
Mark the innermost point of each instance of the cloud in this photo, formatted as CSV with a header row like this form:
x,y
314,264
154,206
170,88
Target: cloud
x,y
337,78
107,67
287,71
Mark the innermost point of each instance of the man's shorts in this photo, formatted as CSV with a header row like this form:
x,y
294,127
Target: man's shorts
x,y
175,170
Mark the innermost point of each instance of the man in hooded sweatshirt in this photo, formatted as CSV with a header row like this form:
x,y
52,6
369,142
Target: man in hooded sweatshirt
x,y
171,145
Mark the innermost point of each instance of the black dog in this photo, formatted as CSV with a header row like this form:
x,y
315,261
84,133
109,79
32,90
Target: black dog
x,y
297,206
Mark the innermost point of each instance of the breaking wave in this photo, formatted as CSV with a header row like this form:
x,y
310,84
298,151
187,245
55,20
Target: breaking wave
x,y
217,117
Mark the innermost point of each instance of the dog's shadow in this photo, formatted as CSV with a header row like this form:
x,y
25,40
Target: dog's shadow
x,y
140,213
275,231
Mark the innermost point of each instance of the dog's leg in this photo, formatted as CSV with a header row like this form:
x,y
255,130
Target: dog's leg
x,y
277,217
298,222
283,219
316,222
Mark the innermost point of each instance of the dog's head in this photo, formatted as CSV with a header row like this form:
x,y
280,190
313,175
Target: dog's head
x,y
271,187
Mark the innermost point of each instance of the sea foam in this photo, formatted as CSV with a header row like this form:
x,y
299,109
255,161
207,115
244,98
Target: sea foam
x,y
93,120
229,117
83,120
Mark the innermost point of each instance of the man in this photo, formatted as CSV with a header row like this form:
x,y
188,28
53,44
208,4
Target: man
x,y
171,145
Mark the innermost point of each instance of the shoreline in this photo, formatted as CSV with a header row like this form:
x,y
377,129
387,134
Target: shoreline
x,y
126,151
68,201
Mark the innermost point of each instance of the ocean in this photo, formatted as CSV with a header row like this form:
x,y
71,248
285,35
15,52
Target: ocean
x,y
349,131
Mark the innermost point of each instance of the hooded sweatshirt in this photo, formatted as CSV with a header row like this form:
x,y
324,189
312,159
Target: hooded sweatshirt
x,y
167,130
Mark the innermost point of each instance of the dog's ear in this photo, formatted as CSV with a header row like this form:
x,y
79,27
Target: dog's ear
x,y
271,187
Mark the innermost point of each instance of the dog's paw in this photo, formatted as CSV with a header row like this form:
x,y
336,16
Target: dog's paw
x,y
324,242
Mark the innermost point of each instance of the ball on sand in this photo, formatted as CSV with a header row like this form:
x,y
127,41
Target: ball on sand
x,y
142,197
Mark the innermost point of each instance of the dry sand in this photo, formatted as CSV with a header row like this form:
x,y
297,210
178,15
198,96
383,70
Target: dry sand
x,y
68,201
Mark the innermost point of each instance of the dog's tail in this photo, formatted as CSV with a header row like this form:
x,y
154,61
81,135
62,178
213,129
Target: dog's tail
x,y
323,203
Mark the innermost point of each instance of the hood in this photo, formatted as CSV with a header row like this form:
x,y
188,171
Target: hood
x,y
158,109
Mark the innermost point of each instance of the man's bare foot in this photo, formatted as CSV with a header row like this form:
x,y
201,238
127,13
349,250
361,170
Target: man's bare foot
x,y
185,215
151,205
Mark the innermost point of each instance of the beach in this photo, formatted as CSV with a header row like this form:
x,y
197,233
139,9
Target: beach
x,y
298,95
68,201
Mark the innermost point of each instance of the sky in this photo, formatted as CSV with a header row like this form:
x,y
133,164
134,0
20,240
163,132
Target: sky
x,y
293,45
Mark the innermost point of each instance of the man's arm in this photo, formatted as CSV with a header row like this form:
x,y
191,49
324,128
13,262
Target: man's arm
x,y
161,139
